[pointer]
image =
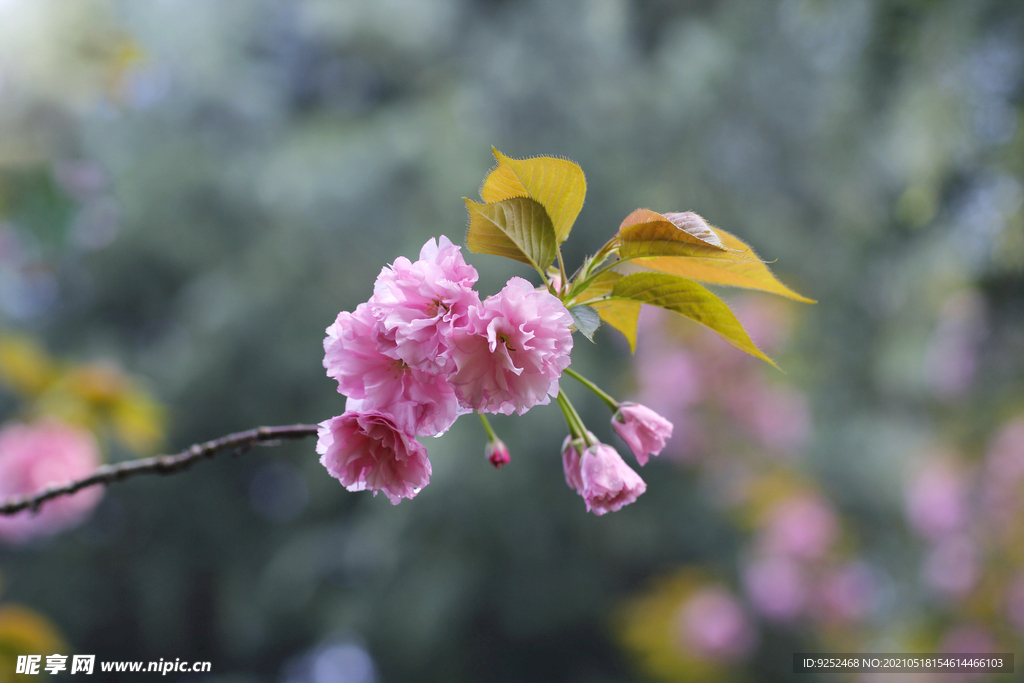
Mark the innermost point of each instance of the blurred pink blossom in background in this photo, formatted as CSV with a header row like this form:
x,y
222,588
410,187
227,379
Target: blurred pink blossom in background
x,y
35,456
777,416
848,592
669,382
967,638
1015,602
951,568
712,625
1004,470
936,499
952,356
776,587
802,526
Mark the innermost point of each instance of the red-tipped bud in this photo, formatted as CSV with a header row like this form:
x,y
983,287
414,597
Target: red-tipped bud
x,y
497,453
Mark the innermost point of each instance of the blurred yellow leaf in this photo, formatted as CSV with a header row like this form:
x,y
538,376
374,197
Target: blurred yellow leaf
x,y
557,184
25,632
95,383
100,398
24,365
67,408
138,421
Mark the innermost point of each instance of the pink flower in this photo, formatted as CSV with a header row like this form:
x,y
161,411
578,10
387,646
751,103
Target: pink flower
x,y
608,482
497,453
643,430
35,456
368,450
511,353
714,626
420,303
363,357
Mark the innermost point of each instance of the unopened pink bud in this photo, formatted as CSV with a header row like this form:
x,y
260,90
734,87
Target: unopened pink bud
x,y
643,430
497,453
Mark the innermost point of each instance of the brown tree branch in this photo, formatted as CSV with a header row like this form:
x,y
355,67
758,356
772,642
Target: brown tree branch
x,y
160,464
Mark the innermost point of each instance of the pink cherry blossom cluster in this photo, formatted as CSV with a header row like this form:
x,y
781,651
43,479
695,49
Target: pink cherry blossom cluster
x,y
425,349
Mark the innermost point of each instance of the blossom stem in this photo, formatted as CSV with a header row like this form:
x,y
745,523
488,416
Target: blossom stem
x,y
592,278
578,430
601,394
570,420
487,427
564,286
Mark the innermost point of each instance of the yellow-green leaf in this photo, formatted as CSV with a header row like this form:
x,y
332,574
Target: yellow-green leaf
x,y
689,299
25,632
518,228
620,314
558,184
737,266
24,365
601,286
647,233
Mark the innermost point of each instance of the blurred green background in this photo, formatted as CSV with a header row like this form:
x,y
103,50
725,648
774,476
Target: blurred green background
x,y
191,191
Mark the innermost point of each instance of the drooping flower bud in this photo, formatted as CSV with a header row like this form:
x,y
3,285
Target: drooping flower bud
x,y
571,465
601,476
643,430
497,452
608,482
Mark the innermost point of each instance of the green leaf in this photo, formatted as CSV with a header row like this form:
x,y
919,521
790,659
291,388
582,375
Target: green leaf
x,y
516,228
586,320
646,233
689,299
735,265
620,314
557,184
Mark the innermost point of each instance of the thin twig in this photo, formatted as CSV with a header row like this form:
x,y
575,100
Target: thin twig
x,y
160,464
